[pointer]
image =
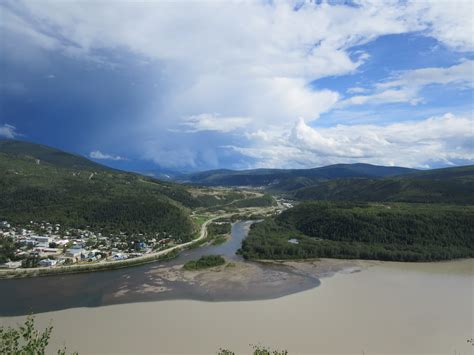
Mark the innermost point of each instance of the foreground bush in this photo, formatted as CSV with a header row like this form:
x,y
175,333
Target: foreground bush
x,y
26,339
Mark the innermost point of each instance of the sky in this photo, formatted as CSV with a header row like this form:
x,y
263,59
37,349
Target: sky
x,y
197,85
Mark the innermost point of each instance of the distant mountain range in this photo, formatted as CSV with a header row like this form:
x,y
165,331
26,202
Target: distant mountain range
x,y
290,179
40,183
352,182
29,170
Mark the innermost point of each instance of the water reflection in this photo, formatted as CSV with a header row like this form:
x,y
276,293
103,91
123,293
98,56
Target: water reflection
x,y
156,281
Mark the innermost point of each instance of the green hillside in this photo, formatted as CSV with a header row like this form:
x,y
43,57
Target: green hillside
x,y
45,154
289,179
395,231
450,185
44,184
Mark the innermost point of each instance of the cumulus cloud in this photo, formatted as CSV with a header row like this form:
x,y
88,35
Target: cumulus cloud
x,y
443,139
8,131
451,22
405,86
97,154
260,70
229,66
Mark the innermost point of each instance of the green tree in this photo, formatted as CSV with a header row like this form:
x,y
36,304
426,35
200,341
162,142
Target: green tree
x,y
26,339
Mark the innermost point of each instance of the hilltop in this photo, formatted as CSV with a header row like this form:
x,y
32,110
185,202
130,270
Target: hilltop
x,y
290,179
38,182
44,154
448,185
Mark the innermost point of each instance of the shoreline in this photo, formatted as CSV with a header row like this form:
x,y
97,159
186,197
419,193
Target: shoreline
x,y
310,321
111,265
242,283
164,256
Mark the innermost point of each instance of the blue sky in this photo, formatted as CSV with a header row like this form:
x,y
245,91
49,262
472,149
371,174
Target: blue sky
x,y
203,85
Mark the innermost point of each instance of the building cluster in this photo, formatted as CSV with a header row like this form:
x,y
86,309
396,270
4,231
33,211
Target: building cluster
x,y
49,245
283,204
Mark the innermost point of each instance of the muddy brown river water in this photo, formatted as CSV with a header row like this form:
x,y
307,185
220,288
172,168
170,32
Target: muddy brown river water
x,y
323,307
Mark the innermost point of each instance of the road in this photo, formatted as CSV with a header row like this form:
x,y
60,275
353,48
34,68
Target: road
x,y
38,271
104,265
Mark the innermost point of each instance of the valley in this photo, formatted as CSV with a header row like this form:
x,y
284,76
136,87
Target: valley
x,y
189,248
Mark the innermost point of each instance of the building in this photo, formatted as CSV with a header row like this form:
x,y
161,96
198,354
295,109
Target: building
x,y
47,262
75,253
40,241
46,250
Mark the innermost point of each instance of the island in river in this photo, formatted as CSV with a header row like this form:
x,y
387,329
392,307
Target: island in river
x,y
359,306
316,306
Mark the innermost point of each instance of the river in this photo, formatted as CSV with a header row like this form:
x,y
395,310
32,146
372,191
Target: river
x,y
358,308
151,282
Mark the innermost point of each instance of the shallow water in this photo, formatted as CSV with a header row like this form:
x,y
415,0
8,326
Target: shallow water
x,y
386,308
147,283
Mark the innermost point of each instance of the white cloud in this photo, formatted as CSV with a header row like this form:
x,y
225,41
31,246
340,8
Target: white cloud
x,y
357,90
213,122
442,139
8,131
405,86
247,63
462,74
451,22
211,62
386,96
97,154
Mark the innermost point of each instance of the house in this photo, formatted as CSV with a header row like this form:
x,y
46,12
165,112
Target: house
x,y
41,239
47,262
61,242
94,255
46,250
75,253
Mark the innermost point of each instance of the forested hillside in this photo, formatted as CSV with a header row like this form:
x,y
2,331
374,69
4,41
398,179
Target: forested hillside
x,y
396,231
450,185
41,183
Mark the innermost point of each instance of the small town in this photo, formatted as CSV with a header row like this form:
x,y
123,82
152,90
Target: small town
x,y
255,177
44,244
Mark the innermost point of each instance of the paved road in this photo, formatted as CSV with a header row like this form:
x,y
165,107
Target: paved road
x,y
106,264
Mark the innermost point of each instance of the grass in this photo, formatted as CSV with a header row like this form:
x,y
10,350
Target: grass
x,y
200,219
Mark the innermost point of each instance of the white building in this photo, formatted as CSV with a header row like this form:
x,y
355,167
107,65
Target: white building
x,y
41,239
47,262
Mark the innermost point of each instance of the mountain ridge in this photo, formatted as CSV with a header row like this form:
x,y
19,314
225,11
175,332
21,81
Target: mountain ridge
x,y
42,183
268,177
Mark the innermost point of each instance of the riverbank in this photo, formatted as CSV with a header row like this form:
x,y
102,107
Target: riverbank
x,y
109,265
385,308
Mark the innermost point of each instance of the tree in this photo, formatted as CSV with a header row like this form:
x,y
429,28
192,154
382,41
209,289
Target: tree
x,y
26,339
